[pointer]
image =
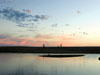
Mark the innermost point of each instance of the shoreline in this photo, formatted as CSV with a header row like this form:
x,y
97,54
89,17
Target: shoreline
x,y
23,49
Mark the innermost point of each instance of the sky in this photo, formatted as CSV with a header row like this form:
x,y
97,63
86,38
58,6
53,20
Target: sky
x,y
49,22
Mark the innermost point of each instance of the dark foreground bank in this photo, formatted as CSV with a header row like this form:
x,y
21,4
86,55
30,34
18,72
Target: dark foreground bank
x,y
21,49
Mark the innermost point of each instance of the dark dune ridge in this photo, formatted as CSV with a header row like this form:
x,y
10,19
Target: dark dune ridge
x,y
60,56
27,49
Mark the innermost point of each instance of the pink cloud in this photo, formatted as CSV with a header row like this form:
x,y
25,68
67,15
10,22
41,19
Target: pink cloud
x,y
38,40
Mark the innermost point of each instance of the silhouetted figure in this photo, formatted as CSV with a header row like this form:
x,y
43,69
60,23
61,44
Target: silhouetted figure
x,y
60,45
43,45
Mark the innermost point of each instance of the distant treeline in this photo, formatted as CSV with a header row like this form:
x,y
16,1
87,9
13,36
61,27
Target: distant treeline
x,y
22,49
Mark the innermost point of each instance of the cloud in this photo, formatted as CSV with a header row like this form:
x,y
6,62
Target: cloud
x,y
3,36
54,25
12,40
13,15
21,18
47,36
67,25
6,44
40,17
6,40
23,36
38,40
31,30
44,17
5,1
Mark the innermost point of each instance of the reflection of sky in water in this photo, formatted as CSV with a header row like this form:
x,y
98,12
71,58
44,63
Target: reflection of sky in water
x,y
31,64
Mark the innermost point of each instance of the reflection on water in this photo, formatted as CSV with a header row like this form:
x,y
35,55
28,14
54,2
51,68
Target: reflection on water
x,y
32,64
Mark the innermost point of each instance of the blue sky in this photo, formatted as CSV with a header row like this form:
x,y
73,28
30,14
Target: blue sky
x,y
52,22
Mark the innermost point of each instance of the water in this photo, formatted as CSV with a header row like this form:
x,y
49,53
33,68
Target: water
x,y
33,64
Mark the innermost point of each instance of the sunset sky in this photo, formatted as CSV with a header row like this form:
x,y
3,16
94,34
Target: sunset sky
x,y
49,22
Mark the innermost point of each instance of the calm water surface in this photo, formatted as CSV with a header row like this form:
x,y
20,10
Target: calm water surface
x,y
33,64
